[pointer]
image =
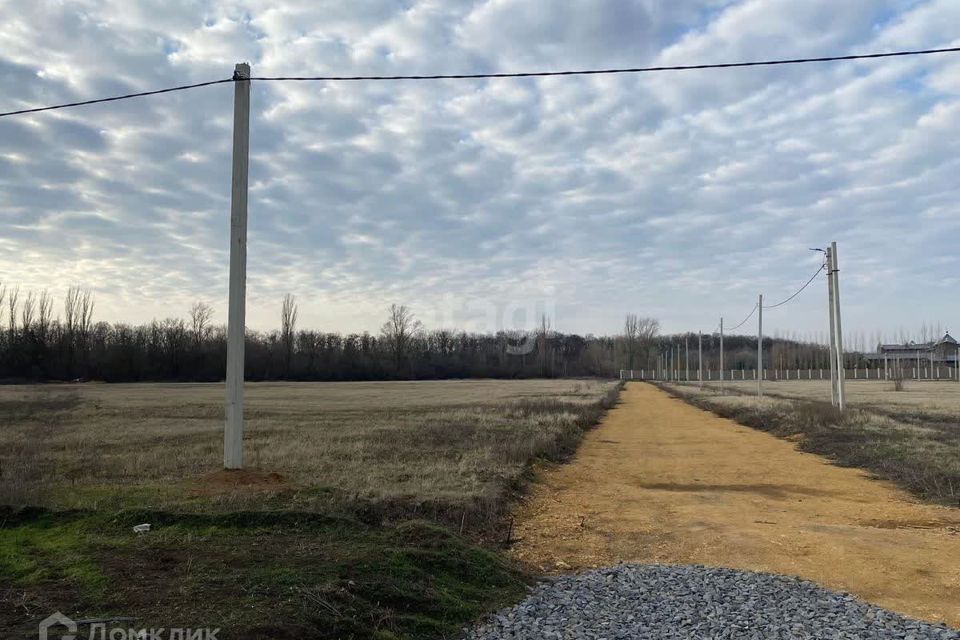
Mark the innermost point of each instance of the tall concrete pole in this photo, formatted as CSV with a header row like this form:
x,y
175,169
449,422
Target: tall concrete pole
x,y
760,347
833,330
700,358
721,354
686,353
841,395
236,316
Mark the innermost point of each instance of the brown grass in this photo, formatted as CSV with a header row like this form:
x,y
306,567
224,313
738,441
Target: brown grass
x,y
916,448
424,448
937,400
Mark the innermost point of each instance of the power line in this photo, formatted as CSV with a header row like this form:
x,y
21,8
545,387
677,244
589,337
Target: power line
x,y
589,72
744,320
478,76
123,97
780,304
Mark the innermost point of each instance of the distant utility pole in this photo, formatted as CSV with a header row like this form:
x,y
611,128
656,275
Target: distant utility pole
x,y
760,347
834,396
721,354
236,321
841,395
700,358
686,353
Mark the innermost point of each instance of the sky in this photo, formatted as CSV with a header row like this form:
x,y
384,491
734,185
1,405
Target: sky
x,y
484,204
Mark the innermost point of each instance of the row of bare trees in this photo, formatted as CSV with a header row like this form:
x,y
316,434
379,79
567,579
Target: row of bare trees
x,y
40,340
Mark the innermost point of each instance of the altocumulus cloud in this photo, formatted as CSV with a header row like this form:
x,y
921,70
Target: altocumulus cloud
x,y
677,195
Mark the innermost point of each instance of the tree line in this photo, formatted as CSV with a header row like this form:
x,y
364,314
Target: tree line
x,y
41,341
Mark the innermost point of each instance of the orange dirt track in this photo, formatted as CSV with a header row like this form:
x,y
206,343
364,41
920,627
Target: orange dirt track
x,y
661,481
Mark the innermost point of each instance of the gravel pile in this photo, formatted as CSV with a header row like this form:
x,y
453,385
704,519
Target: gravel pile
x,y
662,601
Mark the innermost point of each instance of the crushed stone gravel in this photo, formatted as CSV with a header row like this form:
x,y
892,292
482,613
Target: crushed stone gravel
x,y
689,601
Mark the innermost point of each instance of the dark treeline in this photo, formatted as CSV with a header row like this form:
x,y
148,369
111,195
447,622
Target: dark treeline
x,y
37,345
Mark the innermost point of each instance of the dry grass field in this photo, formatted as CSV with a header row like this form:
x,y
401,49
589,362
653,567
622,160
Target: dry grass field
x,y
346,526
917,397
911,437
437,443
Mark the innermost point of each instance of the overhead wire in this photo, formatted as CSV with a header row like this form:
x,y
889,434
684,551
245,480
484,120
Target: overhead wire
x,y
745,319
782,302
799,291
478,76
141,94
587,72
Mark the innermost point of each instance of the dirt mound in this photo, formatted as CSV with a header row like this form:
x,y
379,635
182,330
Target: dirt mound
x,y
227,480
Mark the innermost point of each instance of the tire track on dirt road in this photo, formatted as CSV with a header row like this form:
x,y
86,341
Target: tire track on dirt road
x,y
662,481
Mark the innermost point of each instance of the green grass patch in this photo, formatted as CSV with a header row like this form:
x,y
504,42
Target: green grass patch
x,y
254,574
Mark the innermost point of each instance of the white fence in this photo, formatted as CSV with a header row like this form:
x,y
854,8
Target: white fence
x,y
908,373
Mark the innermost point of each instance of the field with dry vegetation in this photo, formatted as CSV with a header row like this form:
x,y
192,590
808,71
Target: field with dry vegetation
x,y
391,445
911,437
369,510
919,398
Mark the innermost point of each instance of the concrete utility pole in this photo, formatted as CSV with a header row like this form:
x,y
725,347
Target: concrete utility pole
x,y
760,347
236,320
841,395
700,358
833,330
721,354
686,351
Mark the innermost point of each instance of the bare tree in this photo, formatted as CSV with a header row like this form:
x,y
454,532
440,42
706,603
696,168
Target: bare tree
x,y
288,328
26,312
86,314
543,344
398,331
200,316
78,318
44,316
638,333
12,299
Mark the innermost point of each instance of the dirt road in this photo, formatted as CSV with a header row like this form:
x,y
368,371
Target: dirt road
x,y
661,481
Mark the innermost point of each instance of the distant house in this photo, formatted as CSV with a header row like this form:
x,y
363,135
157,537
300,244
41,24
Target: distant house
x,y
942,352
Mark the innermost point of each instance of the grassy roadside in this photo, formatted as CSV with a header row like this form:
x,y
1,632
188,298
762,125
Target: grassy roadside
x,y
919,454
290,559
254,575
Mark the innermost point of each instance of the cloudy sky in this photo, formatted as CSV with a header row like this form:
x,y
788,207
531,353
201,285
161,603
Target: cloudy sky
x,y
479,203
